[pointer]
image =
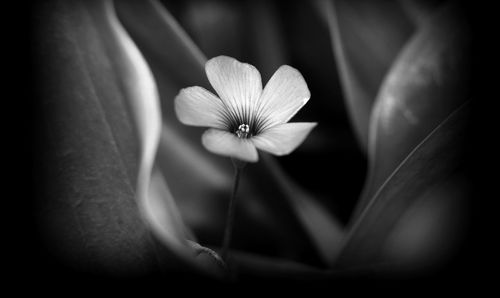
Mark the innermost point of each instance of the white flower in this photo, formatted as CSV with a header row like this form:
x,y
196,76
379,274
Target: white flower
x,y
245,117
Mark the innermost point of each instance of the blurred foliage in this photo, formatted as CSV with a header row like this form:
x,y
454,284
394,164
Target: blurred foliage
x,y
121,191
366,37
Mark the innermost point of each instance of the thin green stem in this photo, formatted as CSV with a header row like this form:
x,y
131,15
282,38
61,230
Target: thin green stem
x,y
238,166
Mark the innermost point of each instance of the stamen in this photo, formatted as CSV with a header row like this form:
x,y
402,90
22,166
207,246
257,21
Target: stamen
x,y
243,131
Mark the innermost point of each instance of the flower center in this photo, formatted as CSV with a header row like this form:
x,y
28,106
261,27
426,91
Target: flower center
x,y
243,131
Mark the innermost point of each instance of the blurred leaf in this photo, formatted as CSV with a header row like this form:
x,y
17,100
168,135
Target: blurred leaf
x,y
428,81
420,10
429,233
366,37
217,27
428,168
248,30
88,160
167,45
323,229
266,34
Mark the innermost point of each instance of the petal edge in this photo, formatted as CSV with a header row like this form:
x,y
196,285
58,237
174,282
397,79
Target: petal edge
x,y
282,139
199,107
283,96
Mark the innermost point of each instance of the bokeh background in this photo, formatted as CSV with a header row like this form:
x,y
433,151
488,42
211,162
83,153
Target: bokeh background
x,y
381,189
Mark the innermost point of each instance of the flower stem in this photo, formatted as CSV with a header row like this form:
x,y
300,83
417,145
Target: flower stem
x,y
238,166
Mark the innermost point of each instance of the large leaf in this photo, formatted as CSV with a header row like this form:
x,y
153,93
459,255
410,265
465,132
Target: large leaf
x,y
428,81
366,37
87,147
433,229
426,177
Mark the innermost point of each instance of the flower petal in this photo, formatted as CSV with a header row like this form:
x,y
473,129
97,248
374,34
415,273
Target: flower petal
x,y
284,95
239,85
225,143
282,139
199,107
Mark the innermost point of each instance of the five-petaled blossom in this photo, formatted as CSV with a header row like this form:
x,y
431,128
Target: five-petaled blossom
x,y
246,117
